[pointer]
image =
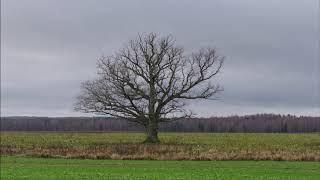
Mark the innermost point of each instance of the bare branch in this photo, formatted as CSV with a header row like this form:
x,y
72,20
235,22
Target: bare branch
x,y
149,81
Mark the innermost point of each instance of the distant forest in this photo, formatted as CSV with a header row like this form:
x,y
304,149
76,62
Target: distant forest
x,y
253,123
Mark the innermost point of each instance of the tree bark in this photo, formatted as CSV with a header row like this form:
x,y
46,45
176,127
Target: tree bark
x,y
152,128
152,133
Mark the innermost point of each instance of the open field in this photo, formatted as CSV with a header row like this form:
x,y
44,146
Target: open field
x,y
175,146
39,168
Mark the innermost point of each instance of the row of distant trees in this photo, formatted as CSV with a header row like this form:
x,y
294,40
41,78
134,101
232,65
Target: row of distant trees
x,y
253,123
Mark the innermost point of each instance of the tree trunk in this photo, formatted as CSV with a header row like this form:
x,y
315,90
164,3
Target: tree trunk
x,y
152,127
152,133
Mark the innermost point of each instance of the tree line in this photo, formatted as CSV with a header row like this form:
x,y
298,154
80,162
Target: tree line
x,y
260,123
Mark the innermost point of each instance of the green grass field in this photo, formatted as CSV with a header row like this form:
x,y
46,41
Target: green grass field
x,y
223,141
126,158
40,168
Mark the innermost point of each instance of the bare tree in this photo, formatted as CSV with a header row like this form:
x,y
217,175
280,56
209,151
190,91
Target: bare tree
x,y
149,81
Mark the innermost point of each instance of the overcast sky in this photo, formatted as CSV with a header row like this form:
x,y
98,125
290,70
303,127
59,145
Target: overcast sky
x,y
48,47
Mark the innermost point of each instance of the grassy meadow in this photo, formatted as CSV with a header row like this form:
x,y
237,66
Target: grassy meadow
x,y
44,155
41,168
174,146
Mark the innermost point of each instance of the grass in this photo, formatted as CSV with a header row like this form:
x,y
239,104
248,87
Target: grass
x,y
174,146
39,168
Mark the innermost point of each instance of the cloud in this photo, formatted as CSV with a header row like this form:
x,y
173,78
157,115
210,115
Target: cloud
x,y
272,61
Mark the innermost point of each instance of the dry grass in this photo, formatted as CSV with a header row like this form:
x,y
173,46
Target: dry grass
x,y
293,147
157,152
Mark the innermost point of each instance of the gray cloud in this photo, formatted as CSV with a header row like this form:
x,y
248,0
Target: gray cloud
x,y
272,61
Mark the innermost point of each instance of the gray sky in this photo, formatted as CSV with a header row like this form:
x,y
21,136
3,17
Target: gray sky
x,y
48,47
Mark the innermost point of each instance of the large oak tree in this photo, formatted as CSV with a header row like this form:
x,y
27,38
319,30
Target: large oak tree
x,y
149,82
